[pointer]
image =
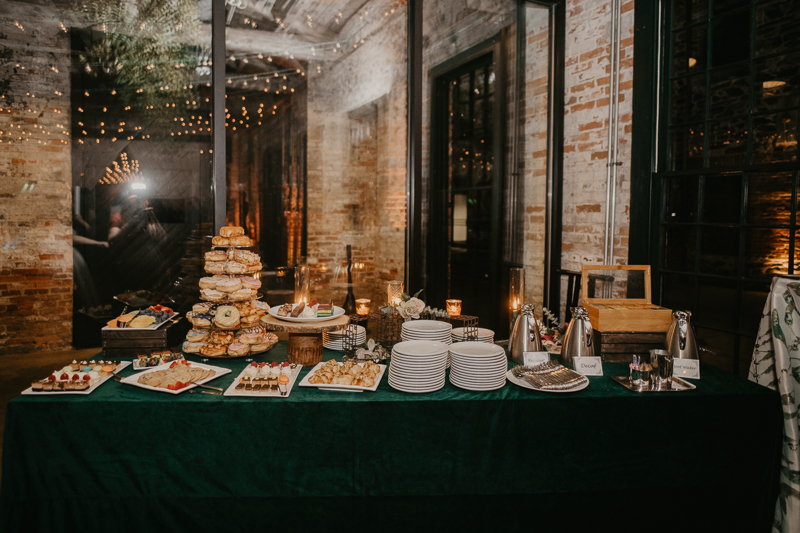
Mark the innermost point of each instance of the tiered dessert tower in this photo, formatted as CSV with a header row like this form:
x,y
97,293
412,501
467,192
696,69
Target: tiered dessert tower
x,y
226,324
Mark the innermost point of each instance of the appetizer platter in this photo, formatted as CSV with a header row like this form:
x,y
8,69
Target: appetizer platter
x,y
156,358
350,376
177,377
265,380
151,318
304,313
76,378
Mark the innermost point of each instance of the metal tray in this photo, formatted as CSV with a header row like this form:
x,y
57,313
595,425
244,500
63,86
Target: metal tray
x,y
678,385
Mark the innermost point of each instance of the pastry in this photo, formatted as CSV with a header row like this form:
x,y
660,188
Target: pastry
x,y
192,347
299,308
246,257
252,269
199,320
251,338
250,283
249,320
231,231
208,283
233,267
261,307
197,335
241,241
245,308
220,241
238,348
211,294
202,307
216,255
216,350
285,310
229,285
227,317
221,337
215,267
241,294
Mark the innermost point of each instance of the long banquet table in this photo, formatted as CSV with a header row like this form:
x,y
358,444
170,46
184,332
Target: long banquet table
x,y
125,458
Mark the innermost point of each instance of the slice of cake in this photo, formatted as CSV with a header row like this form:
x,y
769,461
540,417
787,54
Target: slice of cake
x,y
325,308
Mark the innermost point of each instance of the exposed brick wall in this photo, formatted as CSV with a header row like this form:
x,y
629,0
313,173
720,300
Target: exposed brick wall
x,y
588,68
35,226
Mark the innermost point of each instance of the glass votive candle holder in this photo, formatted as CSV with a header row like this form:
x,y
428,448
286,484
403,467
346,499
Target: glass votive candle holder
x,y
362,306
454,307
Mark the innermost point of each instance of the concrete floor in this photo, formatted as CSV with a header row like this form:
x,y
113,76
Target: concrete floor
x,y
18,371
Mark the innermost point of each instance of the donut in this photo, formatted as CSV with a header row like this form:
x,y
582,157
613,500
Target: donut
x,y
249,320
251,338
192,347
241,294
261,307
237,349
227,317
221,337
216,255
220,241
250,283
229,285
213,309
245,308
253,329
208,283
211,294
231,231
199,320
202,308
215,267
241,241
252,269
270,340
197,335
233,267
246,257
216,350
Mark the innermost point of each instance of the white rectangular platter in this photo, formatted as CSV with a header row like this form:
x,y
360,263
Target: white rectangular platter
x,y
151,327
233,392
344,388
134,379
29,390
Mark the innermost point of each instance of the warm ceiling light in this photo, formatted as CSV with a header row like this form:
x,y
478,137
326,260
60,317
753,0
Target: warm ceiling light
x,y
692,62
772,84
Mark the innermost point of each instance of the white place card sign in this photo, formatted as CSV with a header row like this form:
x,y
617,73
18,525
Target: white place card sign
x,y
686,368
535,358
589,366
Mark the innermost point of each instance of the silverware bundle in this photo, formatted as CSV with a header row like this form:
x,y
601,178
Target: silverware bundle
x,y
550,376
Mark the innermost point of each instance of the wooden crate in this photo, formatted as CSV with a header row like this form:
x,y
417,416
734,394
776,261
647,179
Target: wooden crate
x,y
609,314
124,344
617,347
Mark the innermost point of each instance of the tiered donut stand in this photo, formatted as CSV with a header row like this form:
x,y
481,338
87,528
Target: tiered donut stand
x,y
229,250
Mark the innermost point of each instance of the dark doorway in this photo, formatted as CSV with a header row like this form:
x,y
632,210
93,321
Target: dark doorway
x,y
466,187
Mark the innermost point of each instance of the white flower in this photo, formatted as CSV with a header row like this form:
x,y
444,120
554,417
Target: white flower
x,y
411,308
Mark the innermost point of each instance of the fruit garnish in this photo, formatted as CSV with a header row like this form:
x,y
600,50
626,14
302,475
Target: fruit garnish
x,y
313,302
171,386
253,364
274,364
64,376
87,377
174,364
285,364
75,377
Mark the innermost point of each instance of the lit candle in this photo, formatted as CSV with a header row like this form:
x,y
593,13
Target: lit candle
x,y
454,307
362,306
396,302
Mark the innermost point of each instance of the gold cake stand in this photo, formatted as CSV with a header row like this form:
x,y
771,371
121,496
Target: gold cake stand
x,y
305,340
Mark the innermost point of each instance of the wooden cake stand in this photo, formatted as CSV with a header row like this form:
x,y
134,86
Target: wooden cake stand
x,y
305,340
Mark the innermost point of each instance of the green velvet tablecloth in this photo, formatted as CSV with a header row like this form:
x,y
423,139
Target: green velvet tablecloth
x,y
125,458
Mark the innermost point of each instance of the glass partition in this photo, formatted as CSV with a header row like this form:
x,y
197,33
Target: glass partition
x,y
120,96
316,140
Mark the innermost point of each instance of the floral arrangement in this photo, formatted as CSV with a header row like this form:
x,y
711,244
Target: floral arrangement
x,y
552,334
410,306
372,351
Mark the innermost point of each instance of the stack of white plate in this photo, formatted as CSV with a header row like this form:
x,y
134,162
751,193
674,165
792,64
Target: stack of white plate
x,y
428,330
484,335
333,340
477,366
418,366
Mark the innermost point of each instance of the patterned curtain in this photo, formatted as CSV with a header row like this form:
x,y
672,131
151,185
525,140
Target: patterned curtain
x,y
776,364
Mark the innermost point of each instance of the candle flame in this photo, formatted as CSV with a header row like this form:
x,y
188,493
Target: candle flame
x,y
515,304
